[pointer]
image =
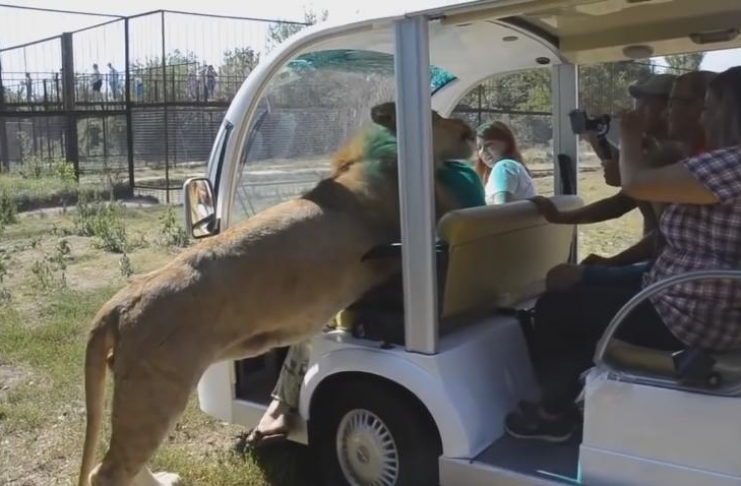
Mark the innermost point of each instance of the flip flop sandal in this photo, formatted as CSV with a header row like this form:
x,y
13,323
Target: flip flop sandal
x,y
256,439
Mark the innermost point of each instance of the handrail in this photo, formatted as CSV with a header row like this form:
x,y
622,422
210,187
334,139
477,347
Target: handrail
x,y
650,291
646,293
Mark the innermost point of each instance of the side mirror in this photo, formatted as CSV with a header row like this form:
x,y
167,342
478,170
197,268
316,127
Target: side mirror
x,y
200,207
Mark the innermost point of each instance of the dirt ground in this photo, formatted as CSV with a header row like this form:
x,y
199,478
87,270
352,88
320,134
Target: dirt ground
x,y
45,309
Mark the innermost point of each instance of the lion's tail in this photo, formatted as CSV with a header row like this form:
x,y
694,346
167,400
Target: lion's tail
x,y
99,343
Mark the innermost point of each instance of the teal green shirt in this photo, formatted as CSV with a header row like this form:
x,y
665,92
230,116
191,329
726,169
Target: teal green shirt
x,y
462,180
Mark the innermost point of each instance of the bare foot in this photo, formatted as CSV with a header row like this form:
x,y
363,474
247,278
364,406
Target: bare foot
x,y
273,422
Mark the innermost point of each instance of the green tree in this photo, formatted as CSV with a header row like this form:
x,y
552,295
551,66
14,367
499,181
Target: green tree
x,y
236,66
603,88
179,66
682,63
280,31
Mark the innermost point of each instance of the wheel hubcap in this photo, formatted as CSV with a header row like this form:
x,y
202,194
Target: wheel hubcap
x,y
366,450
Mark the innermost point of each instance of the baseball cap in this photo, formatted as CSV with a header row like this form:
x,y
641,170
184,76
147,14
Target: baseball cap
x,y
656,85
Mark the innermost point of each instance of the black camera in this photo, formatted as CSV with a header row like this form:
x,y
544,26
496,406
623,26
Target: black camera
x,y
581,123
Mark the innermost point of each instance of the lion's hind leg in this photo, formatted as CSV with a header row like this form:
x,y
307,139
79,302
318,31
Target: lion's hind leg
x,y
146,402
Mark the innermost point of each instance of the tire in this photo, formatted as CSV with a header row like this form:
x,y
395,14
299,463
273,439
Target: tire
x,y
366,411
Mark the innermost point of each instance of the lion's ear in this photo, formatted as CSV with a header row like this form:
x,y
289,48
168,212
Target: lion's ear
x,y
385,115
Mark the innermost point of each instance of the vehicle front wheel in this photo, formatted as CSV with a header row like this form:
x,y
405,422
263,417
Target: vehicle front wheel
x,y
370,433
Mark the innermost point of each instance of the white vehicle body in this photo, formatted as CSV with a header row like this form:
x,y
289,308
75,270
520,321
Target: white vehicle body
x,y
636,432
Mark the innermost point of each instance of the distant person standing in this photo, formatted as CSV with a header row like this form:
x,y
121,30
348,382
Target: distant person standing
x,y
29,88
57,88
113,80
139,85
192,84
203,82
96,81
210,81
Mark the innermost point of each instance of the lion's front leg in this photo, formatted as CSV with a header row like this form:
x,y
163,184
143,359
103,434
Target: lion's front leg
x,y
146,478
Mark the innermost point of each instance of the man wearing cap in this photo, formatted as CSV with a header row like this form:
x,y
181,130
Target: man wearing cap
x,y
651,98
651,101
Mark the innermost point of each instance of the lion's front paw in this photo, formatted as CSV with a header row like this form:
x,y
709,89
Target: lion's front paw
x,y
167,479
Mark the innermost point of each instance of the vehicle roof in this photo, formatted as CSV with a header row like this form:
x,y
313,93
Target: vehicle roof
x,y
473,40
597,30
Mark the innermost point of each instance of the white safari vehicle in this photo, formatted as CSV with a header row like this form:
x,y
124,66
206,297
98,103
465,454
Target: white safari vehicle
x,y
435,396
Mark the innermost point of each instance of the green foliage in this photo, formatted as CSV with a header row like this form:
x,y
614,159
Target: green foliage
x,y
4,264
239,63
124,265
178,66
172,233
36,167
682,63
278,32
50,271
5,295
603,88
8,210
64,171
102,220
524,91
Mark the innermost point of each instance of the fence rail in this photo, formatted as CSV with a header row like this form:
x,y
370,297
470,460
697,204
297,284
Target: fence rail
x,y
140,96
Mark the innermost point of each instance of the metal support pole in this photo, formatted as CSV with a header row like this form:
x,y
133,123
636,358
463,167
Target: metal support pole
x,y
127,102
4,152
165,111
480,93
565,98
416,184
68,88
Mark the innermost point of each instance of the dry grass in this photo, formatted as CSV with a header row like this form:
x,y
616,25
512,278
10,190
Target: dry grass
x,y
42,333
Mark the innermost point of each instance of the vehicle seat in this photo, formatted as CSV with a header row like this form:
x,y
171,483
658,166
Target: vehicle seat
x,y
722,369
489,258
498,256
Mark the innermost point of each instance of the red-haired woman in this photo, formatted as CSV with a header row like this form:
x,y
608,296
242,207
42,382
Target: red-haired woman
x,y
500,165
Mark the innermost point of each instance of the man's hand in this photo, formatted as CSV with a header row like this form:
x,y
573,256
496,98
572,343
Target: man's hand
x,y
546,208
593,259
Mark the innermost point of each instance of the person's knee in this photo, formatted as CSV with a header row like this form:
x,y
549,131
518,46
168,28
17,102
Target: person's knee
x,y
564,276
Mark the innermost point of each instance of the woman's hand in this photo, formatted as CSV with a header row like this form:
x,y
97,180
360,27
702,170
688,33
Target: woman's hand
x,y
631,126
546,208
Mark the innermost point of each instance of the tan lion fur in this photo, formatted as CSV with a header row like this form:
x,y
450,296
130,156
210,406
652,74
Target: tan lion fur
x,y
273,280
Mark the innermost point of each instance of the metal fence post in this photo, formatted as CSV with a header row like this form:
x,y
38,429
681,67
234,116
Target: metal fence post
x,y
4,152
68,89
127,103
165,112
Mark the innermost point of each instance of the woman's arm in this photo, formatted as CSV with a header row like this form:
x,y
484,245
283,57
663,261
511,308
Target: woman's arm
x,y
605,209
502,197
674,183
502,182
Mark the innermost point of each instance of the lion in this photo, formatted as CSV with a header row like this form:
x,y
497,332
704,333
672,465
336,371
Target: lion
x,y
273,280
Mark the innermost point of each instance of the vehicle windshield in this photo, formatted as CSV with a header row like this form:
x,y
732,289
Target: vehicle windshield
x,y
313,106
370,62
